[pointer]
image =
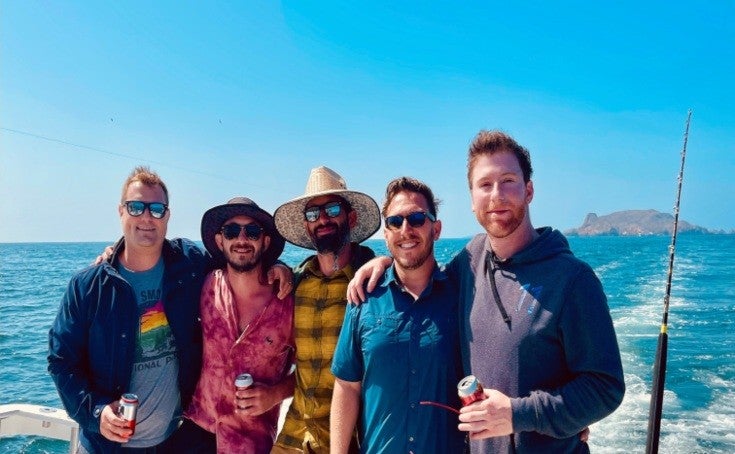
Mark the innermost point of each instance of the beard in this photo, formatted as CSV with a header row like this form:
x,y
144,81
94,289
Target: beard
x,y
416,259
333,242
503,228
243,265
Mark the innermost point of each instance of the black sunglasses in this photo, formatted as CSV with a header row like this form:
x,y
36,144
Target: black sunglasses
x,y
415,219
332,210
232,231
136,208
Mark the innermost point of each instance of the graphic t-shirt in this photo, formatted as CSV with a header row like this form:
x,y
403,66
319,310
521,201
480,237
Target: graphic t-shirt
x,y
155,367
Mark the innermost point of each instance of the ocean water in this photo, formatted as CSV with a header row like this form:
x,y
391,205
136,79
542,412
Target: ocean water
x,y
699,402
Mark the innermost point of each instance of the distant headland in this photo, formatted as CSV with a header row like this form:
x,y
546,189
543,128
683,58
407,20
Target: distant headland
x,y
634,223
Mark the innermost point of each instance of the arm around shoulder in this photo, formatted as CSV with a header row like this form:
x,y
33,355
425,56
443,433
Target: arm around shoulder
x,y
366,278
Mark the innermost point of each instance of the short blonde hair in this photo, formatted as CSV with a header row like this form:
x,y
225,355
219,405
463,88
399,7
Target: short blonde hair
x,y
146,176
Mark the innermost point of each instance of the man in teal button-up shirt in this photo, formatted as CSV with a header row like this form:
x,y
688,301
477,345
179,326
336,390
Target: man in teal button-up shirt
x,y
399,348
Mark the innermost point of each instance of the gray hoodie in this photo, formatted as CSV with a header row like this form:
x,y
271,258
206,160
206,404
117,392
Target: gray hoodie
x,y
554,353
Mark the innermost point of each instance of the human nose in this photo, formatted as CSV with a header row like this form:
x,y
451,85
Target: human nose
x,y
146,214
243,234
496,192
405,226
323,217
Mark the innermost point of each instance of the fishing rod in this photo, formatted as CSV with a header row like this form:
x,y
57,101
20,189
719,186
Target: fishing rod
x,y
659,366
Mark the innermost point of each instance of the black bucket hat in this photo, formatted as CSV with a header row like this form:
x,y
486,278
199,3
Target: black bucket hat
x,y
214,219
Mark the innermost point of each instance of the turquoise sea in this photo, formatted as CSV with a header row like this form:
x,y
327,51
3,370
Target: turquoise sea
x,y
699,402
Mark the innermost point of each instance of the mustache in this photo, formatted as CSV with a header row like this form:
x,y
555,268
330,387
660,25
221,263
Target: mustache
x,y
410,236
246,247
329,225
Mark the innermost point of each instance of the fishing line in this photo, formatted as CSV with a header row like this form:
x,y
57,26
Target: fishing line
x,y
120,155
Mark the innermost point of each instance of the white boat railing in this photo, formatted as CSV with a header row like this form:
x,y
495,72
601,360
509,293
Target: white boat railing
x,y
27,419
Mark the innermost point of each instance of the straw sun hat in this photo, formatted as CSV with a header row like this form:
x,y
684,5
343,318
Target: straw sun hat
x,y
289,217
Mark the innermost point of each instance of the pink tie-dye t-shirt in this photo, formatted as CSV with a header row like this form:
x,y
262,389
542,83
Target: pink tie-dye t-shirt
x,y
264,350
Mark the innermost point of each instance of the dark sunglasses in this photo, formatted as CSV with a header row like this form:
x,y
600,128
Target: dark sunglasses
x,y
136,208
415,219
232,231
331,209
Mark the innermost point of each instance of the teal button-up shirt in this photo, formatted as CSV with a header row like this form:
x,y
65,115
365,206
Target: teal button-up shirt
x,y
404,352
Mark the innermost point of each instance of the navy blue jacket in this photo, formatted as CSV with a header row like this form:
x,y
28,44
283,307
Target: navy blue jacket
x,y
92,340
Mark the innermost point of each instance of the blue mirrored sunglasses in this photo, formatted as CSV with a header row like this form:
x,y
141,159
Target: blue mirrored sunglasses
x,y
136,208
331,209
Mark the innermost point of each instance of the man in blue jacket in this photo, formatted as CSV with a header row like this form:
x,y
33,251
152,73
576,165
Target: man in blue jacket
x,y
130,325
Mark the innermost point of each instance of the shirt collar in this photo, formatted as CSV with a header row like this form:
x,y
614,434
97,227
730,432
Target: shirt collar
x,y
312,267
390,276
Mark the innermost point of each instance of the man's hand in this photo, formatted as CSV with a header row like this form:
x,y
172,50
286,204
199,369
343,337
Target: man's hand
x,y
584,436
356,292
491,417
106,254
284,276
256,400
112,426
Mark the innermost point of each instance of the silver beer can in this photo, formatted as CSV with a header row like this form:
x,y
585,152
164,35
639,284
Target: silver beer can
x,y
243,381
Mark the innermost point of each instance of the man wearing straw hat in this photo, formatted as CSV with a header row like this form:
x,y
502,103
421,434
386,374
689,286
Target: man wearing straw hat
x,y
246,329
332,220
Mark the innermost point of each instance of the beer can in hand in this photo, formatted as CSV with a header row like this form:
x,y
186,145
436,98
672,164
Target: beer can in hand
x,y
470,390
128,410
243,381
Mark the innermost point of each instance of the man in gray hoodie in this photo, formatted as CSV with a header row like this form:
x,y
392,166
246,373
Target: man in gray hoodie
x,y
535,323
535,328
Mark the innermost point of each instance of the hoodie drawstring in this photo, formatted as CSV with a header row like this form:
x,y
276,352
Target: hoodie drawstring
x,y
490,270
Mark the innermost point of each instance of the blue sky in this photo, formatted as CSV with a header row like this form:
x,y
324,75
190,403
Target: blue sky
x,y
244,98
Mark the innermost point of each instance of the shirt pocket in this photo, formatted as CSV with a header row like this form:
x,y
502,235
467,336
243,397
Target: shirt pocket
x,y
383,331
268,362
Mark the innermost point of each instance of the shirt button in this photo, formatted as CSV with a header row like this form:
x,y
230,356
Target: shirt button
x,y
410,439
413,371
413,405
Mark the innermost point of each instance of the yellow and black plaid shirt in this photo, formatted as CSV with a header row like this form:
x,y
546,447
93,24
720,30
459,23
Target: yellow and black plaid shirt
x,y
319,311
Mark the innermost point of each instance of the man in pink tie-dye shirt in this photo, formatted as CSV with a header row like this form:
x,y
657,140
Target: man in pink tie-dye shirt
x,y
246,329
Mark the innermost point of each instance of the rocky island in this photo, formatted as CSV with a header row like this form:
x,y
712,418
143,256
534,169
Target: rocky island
x,y
633,223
